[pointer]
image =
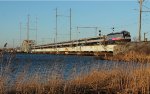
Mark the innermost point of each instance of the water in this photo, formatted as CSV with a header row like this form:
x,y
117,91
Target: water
x,y
47,66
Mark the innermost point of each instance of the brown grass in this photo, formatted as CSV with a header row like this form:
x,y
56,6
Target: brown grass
x,y
133,52
119,80
132,56
113,81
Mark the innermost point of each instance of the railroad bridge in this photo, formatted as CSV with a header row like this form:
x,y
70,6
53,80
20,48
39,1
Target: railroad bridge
x,y
90,46
86,46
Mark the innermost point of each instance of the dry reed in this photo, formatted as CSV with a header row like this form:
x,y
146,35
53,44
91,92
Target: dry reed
x,y
118,80
133,52
113,81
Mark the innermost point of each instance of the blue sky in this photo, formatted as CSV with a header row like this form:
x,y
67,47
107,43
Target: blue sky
x,y
123,15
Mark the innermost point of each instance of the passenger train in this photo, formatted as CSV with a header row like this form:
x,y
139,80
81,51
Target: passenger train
x,y
112,38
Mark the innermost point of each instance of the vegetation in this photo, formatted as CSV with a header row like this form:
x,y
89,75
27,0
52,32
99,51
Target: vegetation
x,y
102,80
133,52
115,81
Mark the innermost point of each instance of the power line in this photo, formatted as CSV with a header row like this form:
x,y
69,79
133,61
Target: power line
x,y
88,27
146,7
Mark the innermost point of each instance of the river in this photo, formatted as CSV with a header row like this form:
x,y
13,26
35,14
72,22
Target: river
x,y
47,66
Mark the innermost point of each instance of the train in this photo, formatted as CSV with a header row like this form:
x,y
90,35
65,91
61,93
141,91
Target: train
x,y
117,37
111,38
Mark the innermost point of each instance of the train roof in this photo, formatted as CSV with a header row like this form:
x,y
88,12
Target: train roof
x,y
83,39
113,33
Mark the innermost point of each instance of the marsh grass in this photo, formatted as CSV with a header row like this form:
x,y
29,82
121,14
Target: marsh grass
x,y
113,81
100,79
132,56
133,52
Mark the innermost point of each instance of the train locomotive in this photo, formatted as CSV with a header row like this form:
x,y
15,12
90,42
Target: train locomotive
x,y
117,37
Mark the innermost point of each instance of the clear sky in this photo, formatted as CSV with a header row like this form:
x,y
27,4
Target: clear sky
x,y
120,14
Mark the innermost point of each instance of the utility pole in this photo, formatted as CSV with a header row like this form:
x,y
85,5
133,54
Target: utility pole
x,y
20,33
145,35
13,43
56,30
28,27
54,40
36,31
70,24
140,19
56,25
